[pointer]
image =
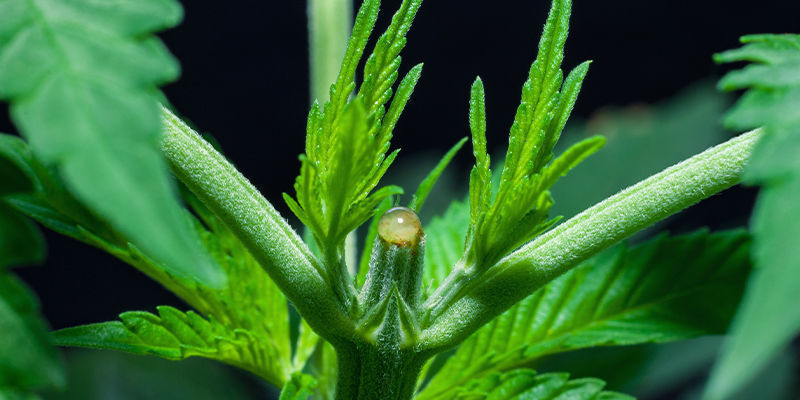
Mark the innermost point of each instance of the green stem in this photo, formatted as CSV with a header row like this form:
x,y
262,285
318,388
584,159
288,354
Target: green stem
x,y
329,25
369,371
555,252
270,239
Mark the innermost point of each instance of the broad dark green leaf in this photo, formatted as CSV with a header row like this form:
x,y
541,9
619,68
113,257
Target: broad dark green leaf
x,y
768,319
528,385
80,76
21,243
663,290
28,361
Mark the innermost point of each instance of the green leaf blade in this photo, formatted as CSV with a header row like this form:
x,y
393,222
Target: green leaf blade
x,y
664,290
27,359
767,320
175,335
427,184
87,107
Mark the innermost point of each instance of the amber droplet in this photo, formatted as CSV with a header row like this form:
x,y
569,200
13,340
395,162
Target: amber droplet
x,y
400,226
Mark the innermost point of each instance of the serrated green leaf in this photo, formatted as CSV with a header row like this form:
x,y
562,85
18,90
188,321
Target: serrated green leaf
x,y
444,243
175,335
28,360
427,184
519,210
79,77
527,384
767,320
299,387
347,141
249,313
664,290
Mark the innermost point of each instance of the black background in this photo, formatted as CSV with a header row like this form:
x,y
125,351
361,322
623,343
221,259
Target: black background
x,y
245,82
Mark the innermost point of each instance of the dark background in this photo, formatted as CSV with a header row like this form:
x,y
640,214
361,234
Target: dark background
x,y
245,82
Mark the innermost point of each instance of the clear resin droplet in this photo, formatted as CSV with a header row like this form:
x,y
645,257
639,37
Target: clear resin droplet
x,y
400,226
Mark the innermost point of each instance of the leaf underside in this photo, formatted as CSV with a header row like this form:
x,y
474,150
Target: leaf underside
x,y
244,324
81,78
664,290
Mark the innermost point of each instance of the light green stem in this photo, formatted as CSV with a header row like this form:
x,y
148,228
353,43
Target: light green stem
x,y
270,239
329,25
586,234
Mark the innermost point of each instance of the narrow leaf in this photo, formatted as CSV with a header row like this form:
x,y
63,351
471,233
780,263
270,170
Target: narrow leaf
x,y
427,184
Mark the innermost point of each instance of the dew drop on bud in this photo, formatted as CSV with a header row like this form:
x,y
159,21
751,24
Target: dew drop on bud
x,y
400,226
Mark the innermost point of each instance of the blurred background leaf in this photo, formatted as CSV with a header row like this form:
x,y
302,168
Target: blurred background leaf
x,y
110,375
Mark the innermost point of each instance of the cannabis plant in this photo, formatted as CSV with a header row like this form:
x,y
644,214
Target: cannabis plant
x,y
459,307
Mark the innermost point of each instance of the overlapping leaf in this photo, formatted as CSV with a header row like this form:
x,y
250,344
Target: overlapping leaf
x,y
80,76
175,335
518,211
527,384
247,320
21,243
445,243
28,360
299,387
768,319
250,305
666,289
348,139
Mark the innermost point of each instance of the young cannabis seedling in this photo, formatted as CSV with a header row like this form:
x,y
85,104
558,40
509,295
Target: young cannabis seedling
x,y
496,279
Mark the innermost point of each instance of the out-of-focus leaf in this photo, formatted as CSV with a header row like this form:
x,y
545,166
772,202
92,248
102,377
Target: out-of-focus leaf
x,y
79,76
299,387
768,318
28,361
21,243
641,140
104,375
323,367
